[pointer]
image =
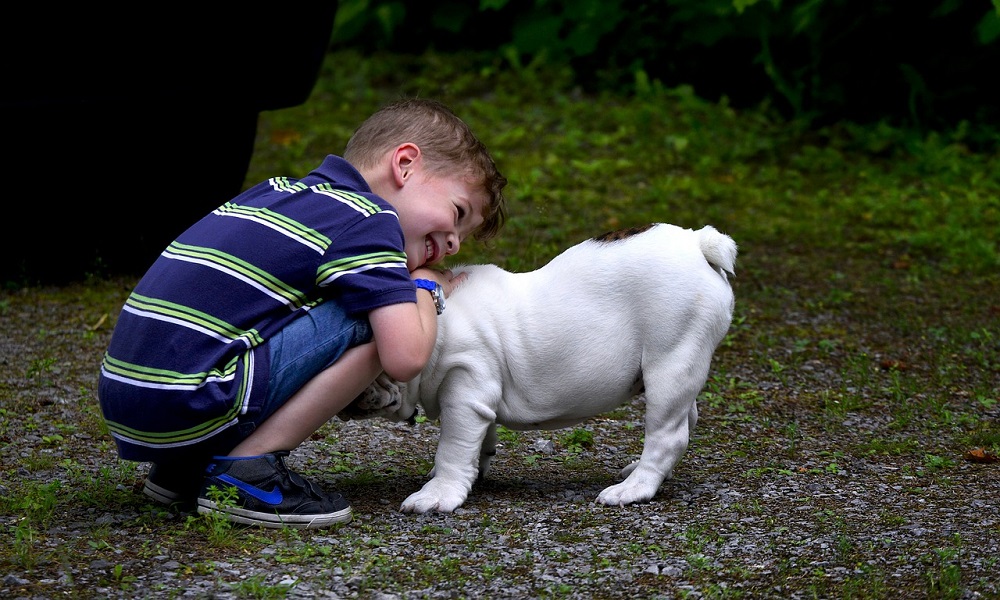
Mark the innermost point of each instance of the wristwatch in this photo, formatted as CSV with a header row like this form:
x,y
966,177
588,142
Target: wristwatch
x,y
437,292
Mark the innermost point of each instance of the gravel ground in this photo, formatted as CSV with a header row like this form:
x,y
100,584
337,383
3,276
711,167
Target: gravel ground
x,y
789,489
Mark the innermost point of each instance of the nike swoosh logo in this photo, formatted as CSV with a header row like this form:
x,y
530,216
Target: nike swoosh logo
x,y
273,497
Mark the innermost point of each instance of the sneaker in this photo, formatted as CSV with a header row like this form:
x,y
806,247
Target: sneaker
x,y
268,494
170,484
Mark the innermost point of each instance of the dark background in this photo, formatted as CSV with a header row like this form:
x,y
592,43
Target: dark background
x,y
122,129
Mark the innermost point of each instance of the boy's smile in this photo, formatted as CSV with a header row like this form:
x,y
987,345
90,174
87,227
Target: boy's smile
x,y
430,251
437,213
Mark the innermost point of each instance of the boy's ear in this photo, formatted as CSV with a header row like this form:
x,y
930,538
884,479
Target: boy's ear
x,y
405,159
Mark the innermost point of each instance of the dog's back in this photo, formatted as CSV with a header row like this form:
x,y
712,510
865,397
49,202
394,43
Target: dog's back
x,y
657,277
592,324
661,241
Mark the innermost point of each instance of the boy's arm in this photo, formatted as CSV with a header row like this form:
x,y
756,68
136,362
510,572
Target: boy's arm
x,y
405,333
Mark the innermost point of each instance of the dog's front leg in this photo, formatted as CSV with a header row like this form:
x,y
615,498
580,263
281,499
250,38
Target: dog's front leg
x,y
464,428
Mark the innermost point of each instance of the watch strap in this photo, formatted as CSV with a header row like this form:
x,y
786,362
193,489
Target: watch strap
x,y
437,292
426,284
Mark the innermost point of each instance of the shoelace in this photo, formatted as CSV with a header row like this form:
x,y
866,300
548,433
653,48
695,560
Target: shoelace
x,y
310,488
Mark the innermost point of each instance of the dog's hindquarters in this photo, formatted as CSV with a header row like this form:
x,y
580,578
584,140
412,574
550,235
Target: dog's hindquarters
x,y
679,334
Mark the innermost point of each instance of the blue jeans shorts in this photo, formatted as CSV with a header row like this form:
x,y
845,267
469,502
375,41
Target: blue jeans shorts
x,y
299,352
307,346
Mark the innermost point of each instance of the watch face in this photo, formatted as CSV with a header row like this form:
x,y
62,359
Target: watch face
x,y
439,299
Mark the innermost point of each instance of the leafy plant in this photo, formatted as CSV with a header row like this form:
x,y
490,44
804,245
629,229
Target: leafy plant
x,y
220,530
577,439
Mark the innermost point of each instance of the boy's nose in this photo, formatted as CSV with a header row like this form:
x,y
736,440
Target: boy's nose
x,y
452,244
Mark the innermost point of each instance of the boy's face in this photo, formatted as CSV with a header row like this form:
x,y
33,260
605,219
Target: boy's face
x,y
437,212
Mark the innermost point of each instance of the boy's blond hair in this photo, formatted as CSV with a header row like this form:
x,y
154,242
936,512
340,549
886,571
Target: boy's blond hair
x,y
447,144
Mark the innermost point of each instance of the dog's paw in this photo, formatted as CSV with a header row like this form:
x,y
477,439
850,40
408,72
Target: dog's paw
x,y
435,496
382,394
625,493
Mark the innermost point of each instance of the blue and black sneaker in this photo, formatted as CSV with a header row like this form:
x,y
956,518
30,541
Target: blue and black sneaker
x,y
170,484
261,490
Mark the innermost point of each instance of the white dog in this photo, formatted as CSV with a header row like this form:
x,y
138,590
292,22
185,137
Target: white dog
x,y
639,309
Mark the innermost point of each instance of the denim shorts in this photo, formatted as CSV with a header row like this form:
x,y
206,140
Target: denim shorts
x,y
300,351
307,346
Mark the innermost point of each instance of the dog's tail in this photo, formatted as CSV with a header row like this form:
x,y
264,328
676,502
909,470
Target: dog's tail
x,y
719,250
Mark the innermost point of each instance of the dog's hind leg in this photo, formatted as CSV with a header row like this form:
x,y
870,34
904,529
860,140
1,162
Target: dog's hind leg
x,y
692,421
671,414
488,451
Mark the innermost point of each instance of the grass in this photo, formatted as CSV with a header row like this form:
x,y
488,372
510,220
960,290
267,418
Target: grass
x,y
863,356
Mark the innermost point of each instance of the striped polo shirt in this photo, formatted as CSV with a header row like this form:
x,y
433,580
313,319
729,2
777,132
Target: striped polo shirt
x,y
188,357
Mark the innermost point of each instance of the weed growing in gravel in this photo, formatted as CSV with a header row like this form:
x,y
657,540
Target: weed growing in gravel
x,y
35,506
558,590
577,440
943,573
221,532
257,587
491,571
888,447
23,546
118,578
837,404
985,433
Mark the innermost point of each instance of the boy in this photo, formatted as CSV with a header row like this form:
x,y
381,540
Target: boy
x,y
272,313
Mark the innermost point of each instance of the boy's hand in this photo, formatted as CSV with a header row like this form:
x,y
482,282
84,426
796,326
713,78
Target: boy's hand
x,y
448,280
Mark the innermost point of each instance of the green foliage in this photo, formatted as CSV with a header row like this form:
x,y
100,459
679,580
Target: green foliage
x,y
576,440
257,587
219,530
815,60
355,17
35,506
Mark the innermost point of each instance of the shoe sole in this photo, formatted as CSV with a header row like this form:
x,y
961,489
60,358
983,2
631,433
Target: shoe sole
x,y
160,494
273,520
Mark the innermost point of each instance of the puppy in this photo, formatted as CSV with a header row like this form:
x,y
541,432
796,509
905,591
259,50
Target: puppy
x,y
636,310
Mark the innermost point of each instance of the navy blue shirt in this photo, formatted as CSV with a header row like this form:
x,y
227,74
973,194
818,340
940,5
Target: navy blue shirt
x,y
188,357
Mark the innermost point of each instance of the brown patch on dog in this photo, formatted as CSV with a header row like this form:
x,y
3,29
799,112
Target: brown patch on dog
x,y
621,234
